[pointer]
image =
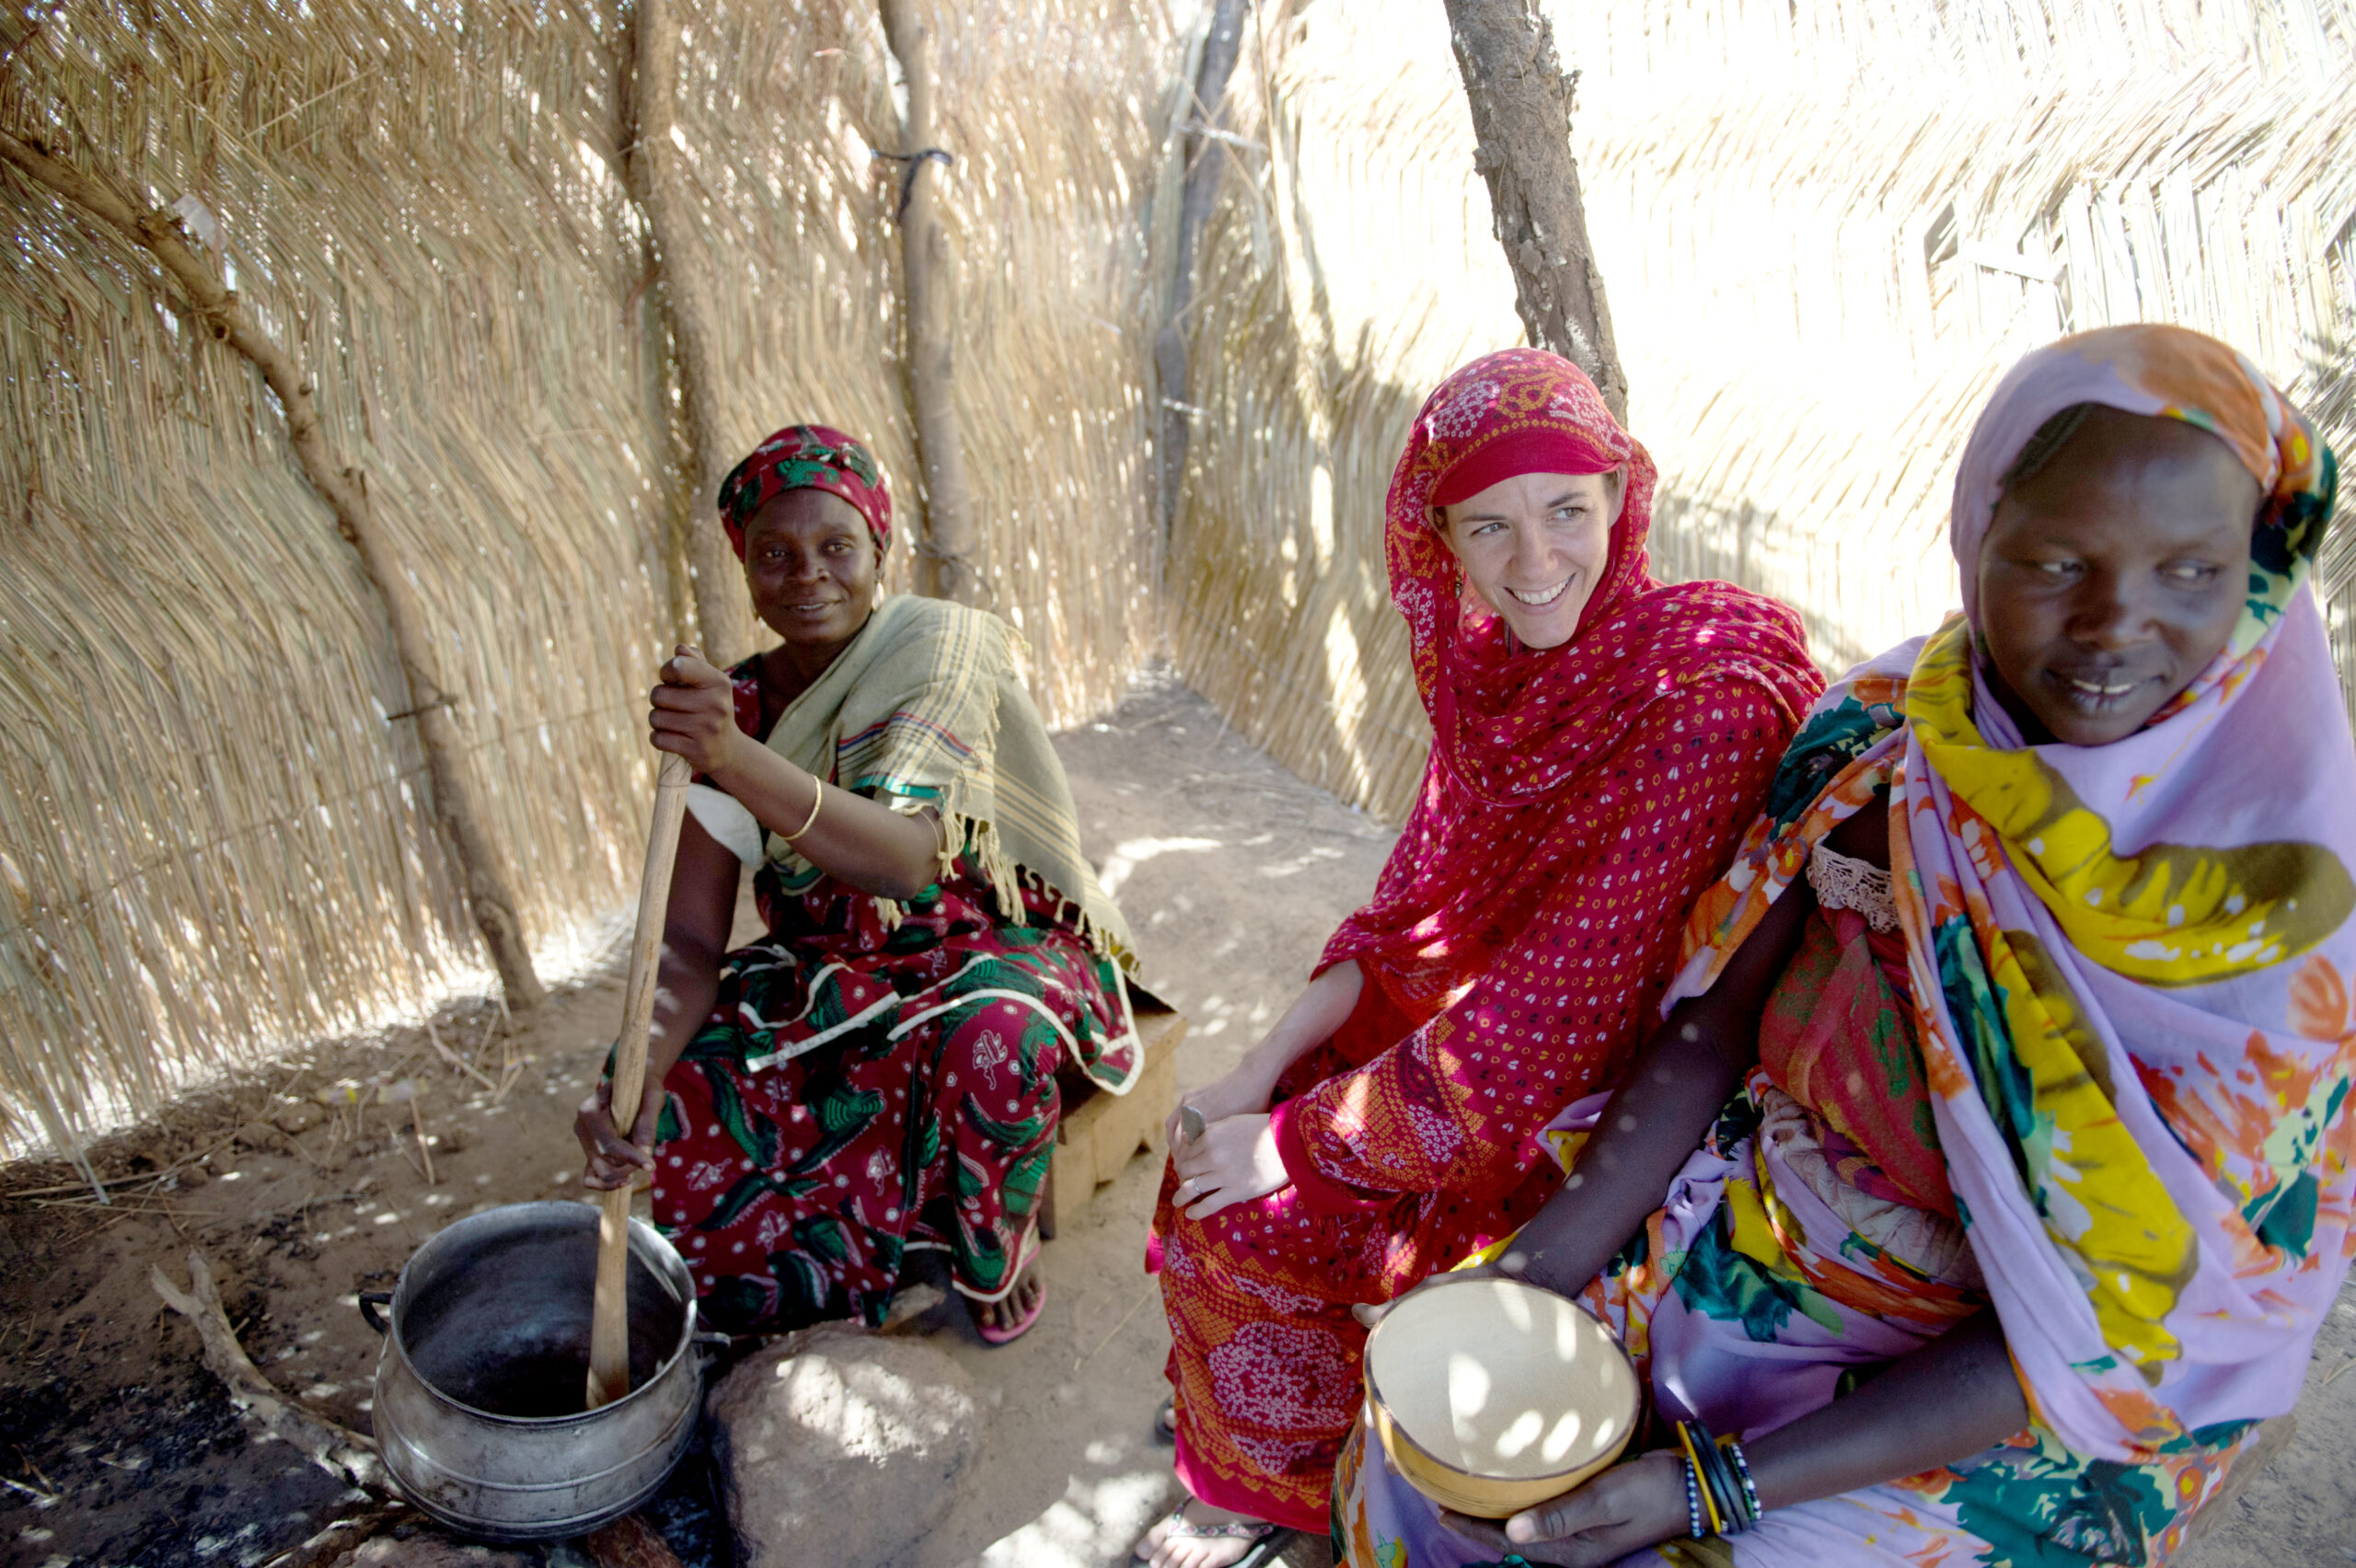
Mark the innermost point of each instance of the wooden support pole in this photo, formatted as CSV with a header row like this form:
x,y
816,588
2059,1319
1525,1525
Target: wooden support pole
x,y
1206,161
1521,121
723,613
108,201
946,568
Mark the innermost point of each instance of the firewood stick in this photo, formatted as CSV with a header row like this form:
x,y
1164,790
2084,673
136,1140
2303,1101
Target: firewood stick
x,y
343,1454
609,1321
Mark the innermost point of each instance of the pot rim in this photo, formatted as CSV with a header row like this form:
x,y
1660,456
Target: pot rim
x,y
659,1250
1374,1392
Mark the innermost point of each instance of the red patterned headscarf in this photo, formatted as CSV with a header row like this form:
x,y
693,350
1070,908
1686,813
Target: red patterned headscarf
x,y
806,457
1519,734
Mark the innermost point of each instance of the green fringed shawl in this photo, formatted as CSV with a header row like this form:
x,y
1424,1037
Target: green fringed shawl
x,y
925,709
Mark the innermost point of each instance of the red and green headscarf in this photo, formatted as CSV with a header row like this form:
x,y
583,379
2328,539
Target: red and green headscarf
x,y
806,457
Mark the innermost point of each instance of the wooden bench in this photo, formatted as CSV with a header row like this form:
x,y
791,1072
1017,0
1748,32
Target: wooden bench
x,y
1100,1133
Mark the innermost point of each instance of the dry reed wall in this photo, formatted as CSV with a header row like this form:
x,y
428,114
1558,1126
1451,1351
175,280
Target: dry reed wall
x,y
213,833
1824,231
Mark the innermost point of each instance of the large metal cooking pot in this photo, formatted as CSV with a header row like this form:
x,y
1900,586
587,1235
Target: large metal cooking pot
x,y
478,1408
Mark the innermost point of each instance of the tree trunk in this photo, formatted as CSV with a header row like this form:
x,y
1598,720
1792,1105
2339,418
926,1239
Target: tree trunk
x,y
1521,120
346,493
723,611
1206,162
945,565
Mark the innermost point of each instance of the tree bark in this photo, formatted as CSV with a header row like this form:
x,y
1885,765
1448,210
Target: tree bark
x,y
946,568
1206,161
723,611
345,491
1521,121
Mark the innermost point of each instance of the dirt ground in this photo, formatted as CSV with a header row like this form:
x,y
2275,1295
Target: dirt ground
x,y
116,1448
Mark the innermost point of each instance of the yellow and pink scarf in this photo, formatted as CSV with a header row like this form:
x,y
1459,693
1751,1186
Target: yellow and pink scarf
x,y
2133,966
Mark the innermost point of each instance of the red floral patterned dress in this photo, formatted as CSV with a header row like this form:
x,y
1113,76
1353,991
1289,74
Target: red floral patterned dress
x,y
863,1088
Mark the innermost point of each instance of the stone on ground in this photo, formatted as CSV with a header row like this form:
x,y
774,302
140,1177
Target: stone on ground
x,y
840,1448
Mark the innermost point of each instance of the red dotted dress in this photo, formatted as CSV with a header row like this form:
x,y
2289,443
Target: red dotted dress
x,y
1578,800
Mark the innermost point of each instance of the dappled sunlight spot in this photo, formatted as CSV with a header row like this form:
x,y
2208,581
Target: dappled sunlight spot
x,y
1093,1523
1301,862
1131,853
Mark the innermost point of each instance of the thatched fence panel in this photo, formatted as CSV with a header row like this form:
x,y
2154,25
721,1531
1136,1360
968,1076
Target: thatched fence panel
x,y
213,832
1825,232
1055,116
213,815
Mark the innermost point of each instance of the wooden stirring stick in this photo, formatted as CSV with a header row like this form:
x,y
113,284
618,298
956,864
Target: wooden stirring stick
x,y
609,1323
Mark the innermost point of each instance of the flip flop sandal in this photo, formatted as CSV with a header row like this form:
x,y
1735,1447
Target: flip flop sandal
x,y
1165,1421
994,1335
1269,1541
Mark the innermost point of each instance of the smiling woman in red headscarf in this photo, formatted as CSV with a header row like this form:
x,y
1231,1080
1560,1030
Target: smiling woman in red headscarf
x,y
875,1073
1600,741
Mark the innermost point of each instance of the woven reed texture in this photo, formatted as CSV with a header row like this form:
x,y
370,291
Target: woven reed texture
x,y
211,834
1825,232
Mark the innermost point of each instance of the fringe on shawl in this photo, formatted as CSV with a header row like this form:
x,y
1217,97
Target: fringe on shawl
x,y
959,827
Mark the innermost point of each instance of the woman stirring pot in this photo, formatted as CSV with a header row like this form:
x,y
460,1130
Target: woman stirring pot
x,y
877,1072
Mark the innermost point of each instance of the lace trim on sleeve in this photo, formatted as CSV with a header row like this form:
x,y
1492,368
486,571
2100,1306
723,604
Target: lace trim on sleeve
x,y
1844,881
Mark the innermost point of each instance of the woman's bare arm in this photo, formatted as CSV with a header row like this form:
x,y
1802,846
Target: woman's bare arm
x,y
1653,1124
1944,1401
855,840
851,838
1323,1006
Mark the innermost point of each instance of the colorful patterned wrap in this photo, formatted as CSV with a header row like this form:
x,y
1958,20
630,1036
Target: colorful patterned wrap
x,y
806,457
2137,1063
878,1076
2162,1223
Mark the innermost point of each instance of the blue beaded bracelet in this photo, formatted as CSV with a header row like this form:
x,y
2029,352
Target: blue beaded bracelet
x,y
1742,1469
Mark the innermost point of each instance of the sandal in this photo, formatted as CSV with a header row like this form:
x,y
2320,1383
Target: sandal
x,y
1165,1421
1268,1539
993,1335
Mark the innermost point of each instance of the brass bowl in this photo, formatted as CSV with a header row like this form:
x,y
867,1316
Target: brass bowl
x,y
1491,1395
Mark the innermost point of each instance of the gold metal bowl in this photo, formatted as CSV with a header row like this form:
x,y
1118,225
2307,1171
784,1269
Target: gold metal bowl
x,y
1491,1395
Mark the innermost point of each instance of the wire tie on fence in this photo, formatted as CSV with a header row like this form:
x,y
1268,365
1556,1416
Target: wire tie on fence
x,y
442,701
914,161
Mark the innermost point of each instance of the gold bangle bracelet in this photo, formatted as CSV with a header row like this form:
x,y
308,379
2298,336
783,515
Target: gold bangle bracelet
x,y
818,799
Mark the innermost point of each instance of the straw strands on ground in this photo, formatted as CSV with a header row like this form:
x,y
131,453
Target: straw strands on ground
x,y
1824,232
212,834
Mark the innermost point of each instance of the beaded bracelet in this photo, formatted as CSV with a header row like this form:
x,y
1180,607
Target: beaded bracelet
x,y
1742,1469
1693,1503
1719,1477
1693,1446
1718,1481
